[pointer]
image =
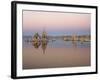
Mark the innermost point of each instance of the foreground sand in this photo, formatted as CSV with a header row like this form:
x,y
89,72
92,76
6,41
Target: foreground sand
x,y
55,57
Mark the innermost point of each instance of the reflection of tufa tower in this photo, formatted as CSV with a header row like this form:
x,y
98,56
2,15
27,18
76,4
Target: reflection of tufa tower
x,y
40,40
44,40
74,38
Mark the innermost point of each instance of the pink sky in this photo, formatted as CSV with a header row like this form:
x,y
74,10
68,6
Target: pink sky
x,y
54,20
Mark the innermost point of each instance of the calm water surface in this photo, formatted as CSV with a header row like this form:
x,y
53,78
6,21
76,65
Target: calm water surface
x,y
59,43
57,53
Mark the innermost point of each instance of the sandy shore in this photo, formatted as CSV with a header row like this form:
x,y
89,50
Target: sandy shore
x,y
55,57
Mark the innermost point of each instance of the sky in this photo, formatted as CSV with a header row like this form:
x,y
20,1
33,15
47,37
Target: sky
x,y
56,23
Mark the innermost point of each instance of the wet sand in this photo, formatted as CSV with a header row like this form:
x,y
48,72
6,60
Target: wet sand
x,y
55,57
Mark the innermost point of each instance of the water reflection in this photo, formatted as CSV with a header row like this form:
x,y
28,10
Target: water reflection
x,y
57,43
74,43
50,52
45,41
36,44
43,45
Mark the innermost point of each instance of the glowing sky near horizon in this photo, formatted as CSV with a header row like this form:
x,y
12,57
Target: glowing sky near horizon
x,y
56,22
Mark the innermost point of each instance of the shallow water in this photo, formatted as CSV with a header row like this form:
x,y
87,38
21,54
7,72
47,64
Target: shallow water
x,y
59,43
56,53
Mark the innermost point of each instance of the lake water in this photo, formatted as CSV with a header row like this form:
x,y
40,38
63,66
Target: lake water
x,y
56,53
59,43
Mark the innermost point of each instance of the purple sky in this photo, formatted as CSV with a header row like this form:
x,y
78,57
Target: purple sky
x,y
56,23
